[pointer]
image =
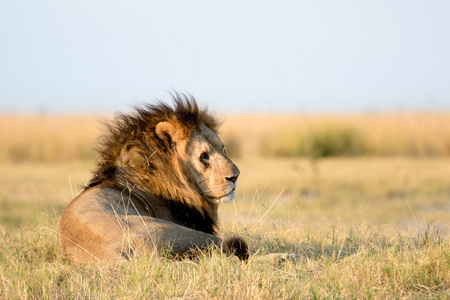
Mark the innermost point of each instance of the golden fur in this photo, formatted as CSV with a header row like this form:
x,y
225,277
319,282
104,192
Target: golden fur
x,y
161,174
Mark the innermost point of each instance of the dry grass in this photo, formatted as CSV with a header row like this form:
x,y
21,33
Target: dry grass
x,y
349,190
67,138
364,227
418,134
45,138
335,261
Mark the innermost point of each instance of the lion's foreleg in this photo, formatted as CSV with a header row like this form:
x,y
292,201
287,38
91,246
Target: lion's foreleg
x,y
153,234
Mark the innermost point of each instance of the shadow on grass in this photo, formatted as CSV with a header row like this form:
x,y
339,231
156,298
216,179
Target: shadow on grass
x,y
338,244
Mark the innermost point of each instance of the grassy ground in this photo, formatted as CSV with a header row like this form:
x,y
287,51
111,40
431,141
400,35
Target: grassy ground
x,y
372,226
363,228
337,262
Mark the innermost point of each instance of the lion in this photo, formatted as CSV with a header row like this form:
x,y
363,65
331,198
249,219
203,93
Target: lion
x,y
162,173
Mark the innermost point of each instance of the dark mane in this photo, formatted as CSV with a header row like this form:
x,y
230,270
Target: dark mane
x,y
131,156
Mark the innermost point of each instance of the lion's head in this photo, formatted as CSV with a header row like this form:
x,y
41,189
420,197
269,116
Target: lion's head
x,y
214,173
169,152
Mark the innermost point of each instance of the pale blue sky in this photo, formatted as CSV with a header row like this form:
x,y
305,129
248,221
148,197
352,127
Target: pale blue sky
x,y
304,56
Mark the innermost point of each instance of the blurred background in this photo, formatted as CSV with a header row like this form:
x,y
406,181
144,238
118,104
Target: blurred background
x,y
335,111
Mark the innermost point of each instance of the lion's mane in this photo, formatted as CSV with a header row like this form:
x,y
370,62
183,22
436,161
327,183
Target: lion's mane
x,y
133,159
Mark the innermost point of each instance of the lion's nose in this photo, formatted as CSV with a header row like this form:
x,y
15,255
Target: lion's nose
x,y
233,179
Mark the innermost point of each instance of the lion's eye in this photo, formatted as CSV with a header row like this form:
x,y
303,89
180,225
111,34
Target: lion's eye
x,y
223,149
204,157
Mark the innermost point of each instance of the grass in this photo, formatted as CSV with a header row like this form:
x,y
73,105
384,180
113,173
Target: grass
x,y
47,138
381,235
336,262
388,134
44,138
372,226
348,190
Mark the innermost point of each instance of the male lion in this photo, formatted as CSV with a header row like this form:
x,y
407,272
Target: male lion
x,y
161,175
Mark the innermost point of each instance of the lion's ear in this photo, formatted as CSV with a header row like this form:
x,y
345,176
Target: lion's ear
x,y
166,132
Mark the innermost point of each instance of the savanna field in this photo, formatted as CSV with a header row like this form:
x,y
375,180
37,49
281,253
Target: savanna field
x,y
363,200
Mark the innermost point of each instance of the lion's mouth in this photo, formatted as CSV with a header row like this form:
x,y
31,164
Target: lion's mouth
x,y
227,198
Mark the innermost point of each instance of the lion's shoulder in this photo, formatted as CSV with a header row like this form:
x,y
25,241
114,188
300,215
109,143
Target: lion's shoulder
x,y
108,201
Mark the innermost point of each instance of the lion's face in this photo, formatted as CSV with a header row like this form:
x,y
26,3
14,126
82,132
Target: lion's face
x,y
212,171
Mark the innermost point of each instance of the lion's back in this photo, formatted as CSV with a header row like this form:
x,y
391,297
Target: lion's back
x,y
91,221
